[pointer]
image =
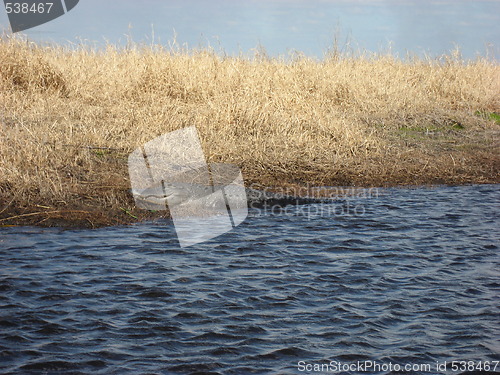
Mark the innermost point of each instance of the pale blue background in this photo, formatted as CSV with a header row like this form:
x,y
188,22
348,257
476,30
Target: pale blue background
x,y
282,26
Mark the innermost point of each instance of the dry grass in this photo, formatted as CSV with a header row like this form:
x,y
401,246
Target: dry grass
x,y
70,117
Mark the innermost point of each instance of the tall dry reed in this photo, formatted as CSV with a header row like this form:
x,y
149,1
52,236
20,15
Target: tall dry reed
x,y
69,117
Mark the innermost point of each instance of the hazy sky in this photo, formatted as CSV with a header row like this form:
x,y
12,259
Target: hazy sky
x,y
282,26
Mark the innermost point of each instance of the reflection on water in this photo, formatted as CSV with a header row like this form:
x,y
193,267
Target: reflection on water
x,y
413,280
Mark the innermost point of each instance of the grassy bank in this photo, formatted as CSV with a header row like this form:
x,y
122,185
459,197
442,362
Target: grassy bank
x,y
69,119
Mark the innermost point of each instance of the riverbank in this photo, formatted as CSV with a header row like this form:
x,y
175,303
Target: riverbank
x,y
70,118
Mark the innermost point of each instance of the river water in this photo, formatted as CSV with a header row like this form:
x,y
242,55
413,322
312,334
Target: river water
x,y
411,277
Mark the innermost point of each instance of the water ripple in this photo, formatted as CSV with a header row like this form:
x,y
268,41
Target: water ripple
x,y
413,280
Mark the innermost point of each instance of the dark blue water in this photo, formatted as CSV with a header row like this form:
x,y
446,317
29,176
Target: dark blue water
x,y
411,278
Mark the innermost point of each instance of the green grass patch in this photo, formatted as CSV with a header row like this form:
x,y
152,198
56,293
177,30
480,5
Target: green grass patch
x,y
489,116
431,129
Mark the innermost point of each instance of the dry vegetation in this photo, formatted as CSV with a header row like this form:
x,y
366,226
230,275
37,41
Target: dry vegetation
x,y
69,118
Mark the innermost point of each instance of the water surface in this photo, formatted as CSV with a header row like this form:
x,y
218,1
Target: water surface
x,y
416,26
412,278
